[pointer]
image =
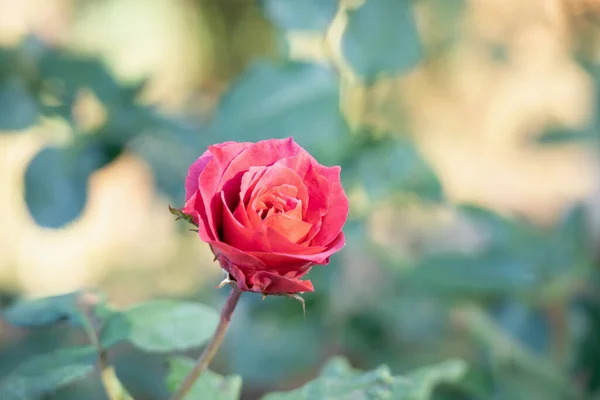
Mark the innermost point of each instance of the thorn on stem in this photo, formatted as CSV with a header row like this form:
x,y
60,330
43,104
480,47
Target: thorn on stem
x,y
225,281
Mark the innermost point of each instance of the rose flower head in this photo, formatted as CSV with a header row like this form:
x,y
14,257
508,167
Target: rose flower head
x,y
268,210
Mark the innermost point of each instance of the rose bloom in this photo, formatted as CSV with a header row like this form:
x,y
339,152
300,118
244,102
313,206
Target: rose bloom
x,y
268,210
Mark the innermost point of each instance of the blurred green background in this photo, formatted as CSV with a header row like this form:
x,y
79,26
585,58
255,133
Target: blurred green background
x,y
467,132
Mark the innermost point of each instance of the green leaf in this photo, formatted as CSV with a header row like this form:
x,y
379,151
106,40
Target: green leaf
x,y
69,73
492,272
491,224
419,384
18,108
281,100
271,344
573,236
209,386
55,188
305,15
527,324
396,166
44,374
381,38
561,135
162,326
339,381
43,311
509,356
56,180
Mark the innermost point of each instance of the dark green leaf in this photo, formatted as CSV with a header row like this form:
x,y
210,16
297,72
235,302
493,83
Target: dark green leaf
x,y
44,374
493,272
69,73
56,180
162,326
419,384
209,386
587,340
561,135
18,108
396,166
271,346
306,15
168,146
381,38
573,236
490,224
509,356
43,311
529,325
339,381
276,101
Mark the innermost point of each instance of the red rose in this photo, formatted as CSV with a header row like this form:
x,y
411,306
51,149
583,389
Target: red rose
x,y
269,211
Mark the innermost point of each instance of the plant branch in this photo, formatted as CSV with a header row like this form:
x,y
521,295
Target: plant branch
x,y
92,333
213,346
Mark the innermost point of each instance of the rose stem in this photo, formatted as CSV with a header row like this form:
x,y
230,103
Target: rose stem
x,y
213,346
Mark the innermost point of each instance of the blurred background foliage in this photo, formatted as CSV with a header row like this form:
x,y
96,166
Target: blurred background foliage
x,y
467,132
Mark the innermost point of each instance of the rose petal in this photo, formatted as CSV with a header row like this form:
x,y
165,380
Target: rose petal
x,y
236,257
318,187
259,154
269,283
240,236
337,214
286,261
225,152
292,229
191,181
249,180
194,207
299,162
278,176
263,153
296,211
209,178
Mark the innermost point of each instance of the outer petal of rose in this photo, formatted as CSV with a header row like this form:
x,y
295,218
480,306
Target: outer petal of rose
x,y
239,264
269,283
238,276
242,259
210,176
337,214
263,153
191,181
194,207
318,189
299,162
286,262
227,151
318,205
